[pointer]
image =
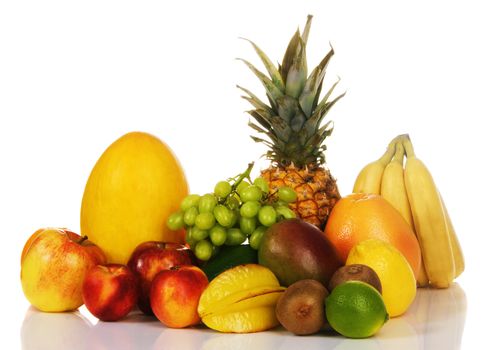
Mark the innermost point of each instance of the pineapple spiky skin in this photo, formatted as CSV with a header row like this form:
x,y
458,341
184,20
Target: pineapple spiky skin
x,y
292,123
316,191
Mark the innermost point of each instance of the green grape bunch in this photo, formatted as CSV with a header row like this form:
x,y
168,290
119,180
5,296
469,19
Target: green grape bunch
x,y
238,210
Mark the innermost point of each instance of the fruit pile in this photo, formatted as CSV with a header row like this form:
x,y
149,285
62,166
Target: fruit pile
x,y
282,249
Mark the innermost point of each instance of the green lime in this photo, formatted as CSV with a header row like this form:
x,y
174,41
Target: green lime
x,y
355,310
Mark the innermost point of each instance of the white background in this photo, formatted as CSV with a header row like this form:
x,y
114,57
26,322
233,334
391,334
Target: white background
x,y
74,76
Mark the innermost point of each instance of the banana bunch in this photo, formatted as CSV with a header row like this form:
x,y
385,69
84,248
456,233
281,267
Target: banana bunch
x,y
410,188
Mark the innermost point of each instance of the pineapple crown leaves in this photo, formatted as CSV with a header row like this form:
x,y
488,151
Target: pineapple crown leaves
x,y
292,121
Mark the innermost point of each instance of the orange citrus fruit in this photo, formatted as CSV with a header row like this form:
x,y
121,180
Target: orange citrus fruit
x,y
361,216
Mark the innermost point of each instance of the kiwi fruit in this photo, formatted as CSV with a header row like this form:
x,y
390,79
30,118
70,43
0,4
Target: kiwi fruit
x,y
355,272
301,308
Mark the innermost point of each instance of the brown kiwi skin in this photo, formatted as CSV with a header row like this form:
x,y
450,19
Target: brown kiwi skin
x,y
355,272
301,308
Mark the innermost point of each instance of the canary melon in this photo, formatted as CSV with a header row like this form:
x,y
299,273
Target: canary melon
x,y
133,188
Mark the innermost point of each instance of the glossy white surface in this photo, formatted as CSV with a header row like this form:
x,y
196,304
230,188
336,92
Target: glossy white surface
x,y
436,320
76,75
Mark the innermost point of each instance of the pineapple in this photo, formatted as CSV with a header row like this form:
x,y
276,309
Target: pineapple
x,y
292,124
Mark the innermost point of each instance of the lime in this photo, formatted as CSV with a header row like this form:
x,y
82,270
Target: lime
x,y
355,309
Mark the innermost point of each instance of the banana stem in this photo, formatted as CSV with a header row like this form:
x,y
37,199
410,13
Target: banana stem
x,y
390,151
400,153
407,144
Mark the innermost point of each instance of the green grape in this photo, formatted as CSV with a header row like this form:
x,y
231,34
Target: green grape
x,y
205,221
285,212
251,193
247,225
189,239
222,189
234,217
280,203
241,186
250,209
234,236
223,215
267,215
207,203
190,216
262,184
198,234
176,221
233,202
203,250
256,237
191,200
287,194
217,235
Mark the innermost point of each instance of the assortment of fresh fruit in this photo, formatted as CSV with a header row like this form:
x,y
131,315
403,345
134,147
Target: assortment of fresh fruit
x,y
282,249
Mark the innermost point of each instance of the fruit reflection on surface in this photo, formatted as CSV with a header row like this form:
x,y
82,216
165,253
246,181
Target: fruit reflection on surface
x,y
360,216
295,250
175,294
41,330
435,320
148,259
397,280
110,291
132,189
54,263
241,300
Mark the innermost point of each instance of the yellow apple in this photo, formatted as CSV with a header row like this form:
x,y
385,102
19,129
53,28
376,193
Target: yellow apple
x,y
54,263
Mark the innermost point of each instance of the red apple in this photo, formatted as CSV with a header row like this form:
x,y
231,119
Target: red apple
x,y
110,291
175,294
148,259
54,263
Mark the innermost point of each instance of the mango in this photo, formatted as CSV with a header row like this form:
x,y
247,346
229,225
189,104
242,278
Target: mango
x,y
296,250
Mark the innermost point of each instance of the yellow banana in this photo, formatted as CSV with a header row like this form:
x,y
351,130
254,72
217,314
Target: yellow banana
x,y
393,190
429,220
393,185
455,246
369,178
422,279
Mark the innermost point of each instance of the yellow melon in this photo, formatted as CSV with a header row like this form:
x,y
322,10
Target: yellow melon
x,y
133,188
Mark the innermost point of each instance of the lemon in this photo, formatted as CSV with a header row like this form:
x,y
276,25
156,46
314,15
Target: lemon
x,y
397,279
355,309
